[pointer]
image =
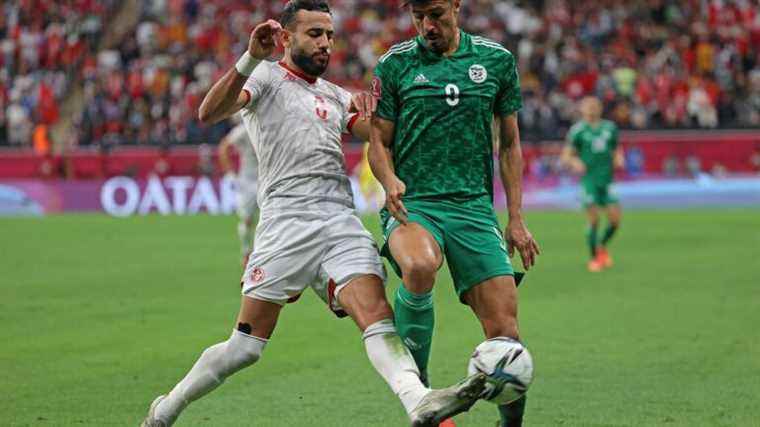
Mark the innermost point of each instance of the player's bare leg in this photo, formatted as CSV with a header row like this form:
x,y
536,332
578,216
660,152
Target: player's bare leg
x,y
364,300
494,302
613,217
592,213
418,254
255,324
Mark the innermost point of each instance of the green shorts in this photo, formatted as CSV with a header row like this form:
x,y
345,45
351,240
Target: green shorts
x,y
597,195
468,234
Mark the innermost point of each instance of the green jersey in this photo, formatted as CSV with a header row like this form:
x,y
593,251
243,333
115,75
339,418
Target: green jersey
x,y
596,148
443,108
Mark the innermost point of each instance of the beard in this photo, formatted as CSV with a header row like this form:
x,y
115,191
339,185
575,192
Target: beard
x,y
308,63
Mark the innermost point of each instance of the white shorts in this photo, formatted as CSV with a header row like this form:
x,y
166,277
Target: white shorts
x,y
318,250
246,201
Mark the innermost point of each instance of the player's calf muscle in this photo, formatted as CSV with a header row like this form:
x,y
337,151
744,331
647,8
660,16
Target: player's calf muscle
x,y
364,300
494,302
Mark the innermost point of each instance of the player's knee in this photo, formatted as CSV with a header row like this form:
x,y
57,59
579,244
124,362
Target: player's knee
x,y
419,271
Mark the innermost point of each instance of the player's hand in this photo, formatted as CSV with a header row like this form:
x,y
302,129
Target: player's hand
x,y
394,191
363,103
518,236
263,39
578,167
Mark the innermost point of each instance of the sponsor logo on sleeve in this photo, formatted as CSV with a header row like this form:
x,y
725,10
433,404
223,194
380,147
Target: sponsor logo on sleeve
x,y
377,87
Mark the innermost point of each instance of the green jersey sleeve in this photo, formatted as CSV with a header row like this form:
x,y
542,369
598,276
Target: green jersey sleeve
x,y
573,139
509,98
385,89
614,139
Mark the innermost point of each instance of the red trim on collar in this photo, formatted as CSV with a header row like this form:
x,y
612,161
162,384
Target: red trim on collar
x,y
309,79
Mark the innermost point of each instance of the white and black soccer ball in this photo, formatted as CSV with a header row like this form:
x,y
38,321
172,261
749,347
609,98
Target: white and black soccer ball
x,y
508,367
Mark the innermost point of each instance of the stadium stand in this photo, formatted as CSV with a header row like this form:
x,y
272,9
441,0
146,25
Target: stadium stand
x,y
672,69
42,45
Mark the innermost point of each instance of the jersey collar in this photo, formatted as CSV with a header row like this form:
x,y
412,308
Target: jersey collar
x,y
309,79
464,47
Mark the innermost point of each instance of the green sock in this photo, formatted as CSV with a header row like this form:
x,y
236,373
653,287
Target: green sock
x,y
608,233
591,235
414,322
512,413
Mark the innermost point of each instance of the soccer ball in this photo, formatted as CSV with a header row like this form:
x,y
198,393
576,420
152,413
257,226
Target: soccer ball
x,y
508,367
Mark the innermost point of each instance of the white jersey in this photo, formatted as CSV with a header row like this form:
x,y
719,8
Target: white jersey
x,y
295,123
248,172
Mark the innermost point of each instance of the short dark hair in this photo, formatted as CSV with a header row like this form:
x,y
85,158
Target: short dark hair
x,y
288,15
405,3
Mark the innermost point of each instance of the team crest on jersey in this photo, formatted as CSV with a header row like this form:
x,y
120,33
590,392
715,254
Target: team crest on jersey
x,y
257,275
377,87
478,73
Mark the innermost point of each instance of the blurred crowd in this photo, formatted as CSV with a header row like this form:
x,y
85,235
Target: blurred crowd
x,y
42,45
655,63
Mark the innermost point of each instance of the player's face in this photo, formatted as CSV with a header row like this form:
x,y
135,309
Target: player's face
x,y
591,109
436,22
310,41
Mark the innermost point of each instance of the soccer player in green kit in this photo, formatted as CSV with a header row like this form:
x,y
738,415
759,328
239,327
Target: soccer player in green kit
x,y
592,150
431,148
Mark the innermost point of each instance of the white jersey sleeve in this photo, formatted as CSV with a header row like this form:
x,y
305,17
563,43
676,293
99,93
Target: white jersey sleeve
x,y
258,84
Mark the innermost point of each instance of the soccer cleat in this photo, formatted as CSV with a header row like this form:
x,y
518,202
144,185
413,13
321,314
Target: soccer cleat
x,y
439,405
603,257
426,382
151,420
595,266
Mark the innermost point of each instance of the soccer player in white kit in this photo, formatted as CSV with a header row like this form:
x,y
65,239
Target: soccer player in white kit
x,y
308,234
246,184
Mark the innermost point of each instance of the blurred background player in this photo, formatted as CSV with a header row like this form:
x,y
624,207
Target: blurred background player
x,y
309,235
432,150
246,184
371,190
592,150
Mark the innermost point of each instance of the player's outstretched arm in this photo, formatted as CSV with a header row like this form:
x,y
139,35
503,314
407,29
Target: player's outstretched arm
x,y
619,161
226,96
511,170
381,162
569,159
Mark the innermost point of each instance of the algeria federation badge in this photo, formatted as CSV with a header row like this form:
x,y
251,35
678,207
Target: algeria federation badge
x,y
478,73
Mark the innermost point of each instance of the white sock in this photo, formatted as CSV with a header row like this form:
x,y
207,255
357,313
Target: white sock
x,y
215,364
394,363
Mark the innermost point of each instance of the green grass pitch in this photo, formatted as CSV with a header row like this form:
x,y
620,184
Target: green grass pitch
x,y
99,315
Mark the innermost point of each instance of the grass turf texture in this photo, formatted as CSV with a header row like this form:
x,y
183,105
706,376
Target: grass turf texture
x,y
100,315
